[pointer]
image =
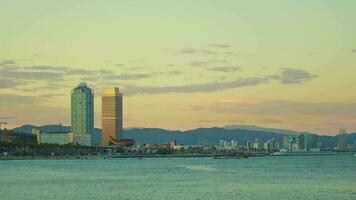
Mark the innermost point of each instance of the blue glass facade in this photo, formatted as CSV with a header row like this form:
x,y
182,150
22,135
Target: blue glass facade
x,y
82,111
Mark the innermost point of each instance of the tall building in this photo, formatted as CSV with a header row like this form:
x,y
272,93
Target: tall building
x,y
310,141
257,145
249,145
300,142
112,123
82,112
342,144
271,145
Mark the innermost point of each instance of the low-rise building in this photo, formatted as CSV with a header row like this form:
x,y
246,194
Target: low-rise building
x,y
83,139
53,137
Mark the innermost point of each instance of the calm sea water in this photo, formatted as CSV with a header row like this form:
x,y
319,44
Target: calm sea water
x,y
327,177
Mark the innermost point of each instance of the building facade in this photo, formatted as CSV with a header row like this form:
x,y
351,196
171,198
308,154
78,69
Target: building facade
x,y
82,111
342,143
82,139
112,122
310,141
53,137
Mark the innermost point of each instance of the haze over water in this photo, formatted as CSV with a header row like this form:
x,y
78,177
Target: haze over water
x,y
325,177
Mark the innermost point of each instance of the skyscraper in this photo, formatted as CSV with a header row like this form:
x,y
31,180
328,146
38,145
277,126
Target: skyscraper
x,y
82,113
112,122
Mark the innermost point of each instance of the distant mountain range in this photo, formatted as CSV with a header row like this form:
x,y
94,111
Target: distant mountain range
x,y
206,136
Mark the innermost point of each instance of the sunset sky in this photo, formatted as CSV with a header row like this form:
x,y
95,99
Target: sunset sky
x,y
183,64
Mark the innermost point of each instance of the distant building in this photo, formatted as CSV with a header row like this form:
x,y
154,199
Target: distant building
x,y
249,145
310,142
170,145
257,145
222,144
82,112
286,144
83,139
53,137
225,145
271,145
112,122
300,142
233,145
342,144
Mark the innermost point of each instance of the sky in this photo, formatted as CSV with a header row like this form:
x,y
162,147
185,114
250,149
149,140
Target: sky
x,y
183,64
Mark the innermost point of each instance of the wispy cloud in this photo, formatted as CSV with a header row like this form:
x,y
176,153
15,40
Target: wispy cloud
x,y
189,107
126,76
13,99
53,76
208,87
7,62
9,83
219,45
190,50
199,63
18,73
293,76
50,96
226,68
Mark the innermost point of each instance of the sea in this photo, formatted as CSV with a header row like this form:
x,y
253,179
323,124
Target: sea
x,y
293,177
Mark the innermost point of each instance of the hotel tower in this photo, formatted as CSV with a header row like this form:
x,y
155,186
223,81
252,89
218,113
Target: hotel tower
x,y
82,114
111,115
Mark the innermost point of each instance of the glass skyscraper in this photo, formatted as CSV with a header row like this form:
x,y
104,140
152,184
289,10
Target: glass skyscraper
x,y
112,122
82,112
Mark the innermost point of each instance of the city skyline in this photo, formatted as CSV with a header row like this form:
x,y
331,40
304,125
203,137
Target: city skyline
x,y
183,65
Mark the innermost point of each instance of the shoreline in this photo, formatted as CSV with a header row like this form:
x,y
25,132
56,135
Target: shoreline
x,y
140,156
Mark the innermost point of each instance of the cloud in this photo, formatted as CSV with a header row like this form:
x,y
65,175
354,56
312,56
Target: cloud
x,y
190,50
12,99
171,73
53,76
220,45
9,83
293,76
62,70
127,76
190,107
226,68
18,73
50,96
7,62
208,87
353,50
198,63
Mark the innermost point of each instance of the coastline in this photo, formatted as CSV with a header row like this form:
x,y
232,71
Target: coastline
x,y
140,156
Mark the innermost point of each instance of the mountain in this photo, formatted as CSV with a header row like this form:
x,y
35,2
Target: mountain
x,y
256,128
206,136
47,128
